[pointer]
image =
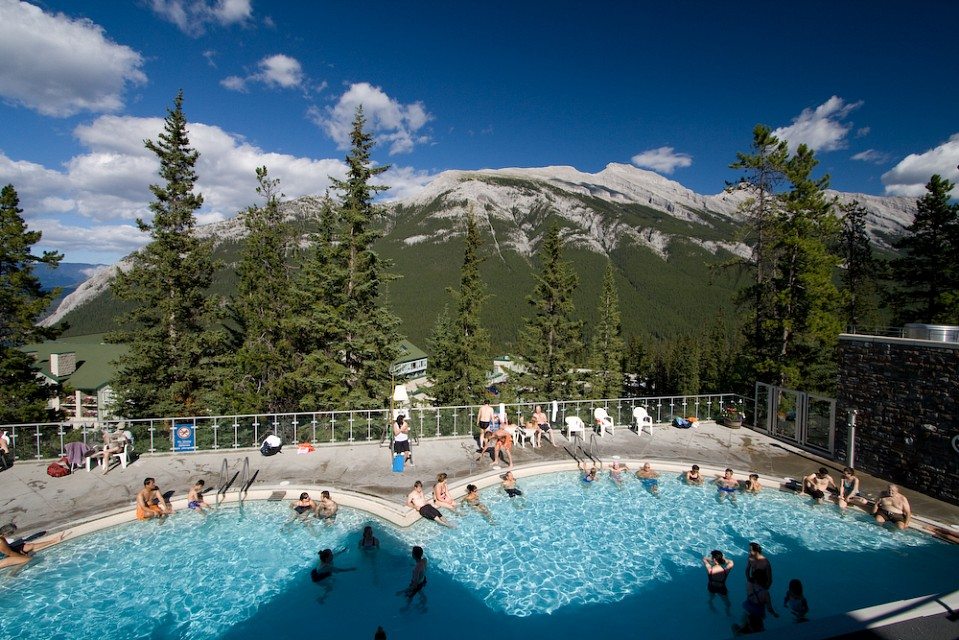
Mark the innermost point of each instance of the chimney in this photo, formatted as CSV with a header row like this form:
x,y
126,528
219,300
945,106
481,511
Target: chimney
x,y
63,364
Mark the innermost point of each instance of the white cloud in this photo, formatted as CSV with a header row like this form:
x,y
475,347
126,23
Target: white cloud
x,y
193,16
59,66
389,120
275,71
909,177
663,159
873,156
89,206
820,129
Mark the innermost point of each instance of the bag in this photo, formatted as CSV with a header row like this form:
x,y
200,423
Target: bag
x,y
305,447
267,450
681,423
57,470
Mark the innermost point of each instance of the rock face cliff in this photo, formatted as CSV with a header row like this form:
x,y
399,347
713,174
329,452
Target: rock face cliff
x,y
663,239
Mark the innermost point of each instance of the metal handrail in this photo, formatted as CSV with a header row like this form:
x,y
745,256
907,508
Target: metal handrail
x,y
232,432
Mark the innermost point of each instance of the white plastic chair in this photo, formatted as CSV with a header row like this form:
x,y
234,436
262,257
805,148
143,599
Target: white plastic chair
x,y
603,421
123,455
641,417
574,424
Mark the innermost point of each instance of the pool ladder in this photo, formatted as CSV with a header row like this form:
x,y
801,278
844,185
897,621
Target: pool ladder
x,y
246,480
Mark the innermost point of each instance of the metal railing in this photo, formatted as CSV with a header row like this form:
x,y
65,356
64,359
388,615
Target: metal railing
x,y
212,433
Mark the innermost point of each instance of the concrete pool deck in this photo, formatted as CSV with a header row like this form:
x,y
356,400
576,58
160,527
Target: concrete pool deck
x,y
34,500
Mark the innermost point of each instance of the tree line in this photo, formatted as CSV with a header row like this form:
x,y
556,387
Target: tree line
x,y
310,327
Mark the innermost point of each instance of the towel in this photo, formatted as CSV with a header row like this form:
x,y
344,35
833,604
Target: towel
x,y
76,453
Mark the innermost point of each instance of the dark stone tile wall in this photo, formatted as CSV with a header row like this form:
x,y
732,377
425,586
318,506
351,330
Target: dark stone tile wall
x,y
898,386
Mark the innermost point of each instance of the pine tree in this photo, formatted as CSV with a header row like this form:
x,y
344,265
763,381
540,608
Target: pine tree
x,y
351,335
171,366
262,308
805,324
860,293
460,345
607,349
549,337
23,396
927,273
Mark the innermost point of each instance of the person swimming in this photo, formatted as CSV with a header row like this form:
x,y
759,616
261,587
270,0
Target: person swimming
x,y
649,478
368,542
616,471
693,476
727,486
473,500
589,475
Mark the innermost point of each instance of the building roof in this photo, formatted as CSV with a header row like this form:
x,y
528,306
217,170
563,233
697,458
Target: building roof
x,y
408,352
94,360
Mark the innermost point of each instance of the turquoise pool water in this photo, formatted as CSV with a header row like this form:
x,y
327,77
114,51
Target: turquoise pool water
x,y
563,561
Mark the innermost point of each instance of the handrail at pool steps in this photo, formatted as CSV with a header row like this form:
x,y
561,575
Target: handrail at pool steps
x,y
231,432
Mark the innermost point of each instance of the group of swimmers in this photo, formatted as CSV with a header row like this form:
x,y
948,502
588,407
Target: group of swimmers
x,y
891,506
325,508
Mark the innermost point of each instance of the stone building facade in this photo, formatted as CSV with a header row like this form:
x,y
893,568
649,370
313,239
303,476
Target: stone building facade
x,y
906,393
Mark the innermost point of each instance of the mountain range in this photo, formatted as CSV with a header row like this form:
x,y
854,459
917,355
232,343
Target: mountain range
x,y
667,245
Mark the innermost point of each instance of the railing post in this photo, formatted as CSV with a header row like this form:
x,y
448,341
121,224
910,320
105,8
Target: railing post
x,y
369,426
295,425
313,425
60,429
151,430
333,426
216,426
236,432
37,428
351,427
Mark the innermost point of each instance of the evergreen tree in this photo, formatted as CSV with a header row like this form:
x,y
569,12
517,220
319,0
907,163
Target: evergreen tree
x,y
23,396
460,345
607,349
548,340
805,323
262,307
860,302
927,272
171,366
349,364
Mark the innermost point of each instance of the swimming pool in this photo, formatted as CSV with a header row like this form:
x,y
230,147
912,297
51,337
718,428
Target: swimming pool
x,y
564,561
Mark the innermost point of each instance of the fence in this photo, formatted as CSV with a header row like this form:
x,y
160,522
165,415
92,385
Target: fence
x,y
47,440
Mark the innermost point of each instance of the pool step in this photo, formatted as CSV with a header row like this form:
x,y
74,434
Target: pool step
x,y
276,496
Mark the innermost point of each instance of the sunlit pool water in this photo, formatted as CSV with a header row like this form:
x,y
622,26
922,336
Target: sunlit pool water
x,y
564,561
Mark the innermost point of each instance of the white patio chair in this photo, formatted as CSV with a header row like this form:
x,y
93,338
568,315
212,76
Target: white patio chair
x,y
574,424
641,417
603,421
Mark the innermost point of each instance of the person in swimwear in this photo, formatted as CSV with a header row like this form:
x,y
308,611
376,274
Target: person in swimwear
x,y
418,579
17,552
401,439
368,542
756,605
758,568
472,499
441,493
509,485
649,477
693,476
717,570
539,417
504,442
727,486
893,507
849,489
817,484
150,502
324,570
589,475
795,601
304,505
616,471
753,485
417,501
194,499
484,418
326,508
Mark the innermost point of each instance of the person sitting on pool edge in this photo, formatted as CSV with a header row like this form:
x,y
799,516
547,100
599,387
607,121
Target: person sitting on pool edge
x,y
693,476
817,484
151,503
194,499
849,489
417,501
727,485
441,493
649,477
18,551
893,507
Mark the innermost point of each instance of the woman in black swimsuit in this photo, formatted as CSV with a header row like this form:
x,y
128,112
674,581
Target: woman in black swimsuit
x,y
717,570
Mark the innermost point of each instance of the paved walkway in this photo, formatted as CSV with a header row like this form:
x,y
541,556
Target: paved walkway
x,y
34,500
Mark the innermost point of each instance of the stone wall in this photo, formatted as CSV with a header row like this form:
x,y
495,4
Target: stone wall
x,y
907,395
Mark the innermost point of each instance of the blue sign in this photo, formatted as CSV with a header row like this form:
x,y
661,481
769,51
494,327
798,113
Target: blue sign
x,y
184,436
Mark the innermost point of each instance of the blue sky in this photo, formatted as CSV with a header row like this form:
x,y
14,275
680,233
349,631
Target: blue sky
x,y
671,87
